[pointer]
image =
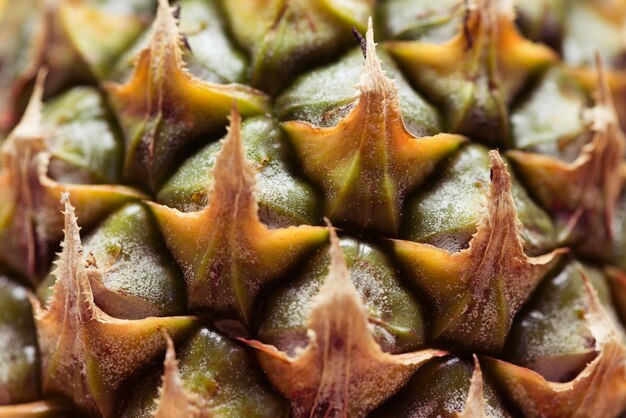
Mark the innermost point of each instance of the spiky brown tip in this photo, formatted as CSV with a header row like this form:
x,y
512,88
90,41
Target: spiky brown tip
x,y
475,402
598,390
368,162
476,292
163,106
342,371
226,253
175,401
31,228
79,342
476,74
587,189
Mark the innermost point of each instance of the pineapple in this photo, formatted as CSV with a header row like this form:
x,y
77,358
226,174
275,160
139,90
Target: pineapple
x,y
223,208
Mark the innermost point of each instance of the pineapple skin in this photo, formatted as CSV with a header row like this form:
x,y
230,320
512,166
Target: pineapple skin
x,y
312,208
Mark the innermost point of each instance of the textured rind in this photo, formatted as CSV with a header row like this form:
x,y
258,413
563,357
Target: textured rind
x,y
227,255
442,388
598,390
138,277
284,198
29,226
164,108
24,55
477,291
342,371
396,316
220,375
583,193
478,76
286,36
64,36
87,354
550,335
175,401
19,360
369,161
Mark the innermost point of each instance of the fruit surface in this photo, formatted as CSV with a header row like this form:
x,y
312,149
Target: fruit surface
x,y
312,208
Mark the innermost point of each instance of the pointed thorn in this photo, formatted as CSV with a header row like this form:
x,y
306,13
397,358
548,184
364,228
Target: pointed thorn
x,y
601,326
342,360
71,221
373,80
475,402
36,98
170,353
373,68
234,111
170,364
604,94
233,172
477,377
333,233
338,272
603,113
166,33
370,45
163,6
65,198
499,175
30,124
